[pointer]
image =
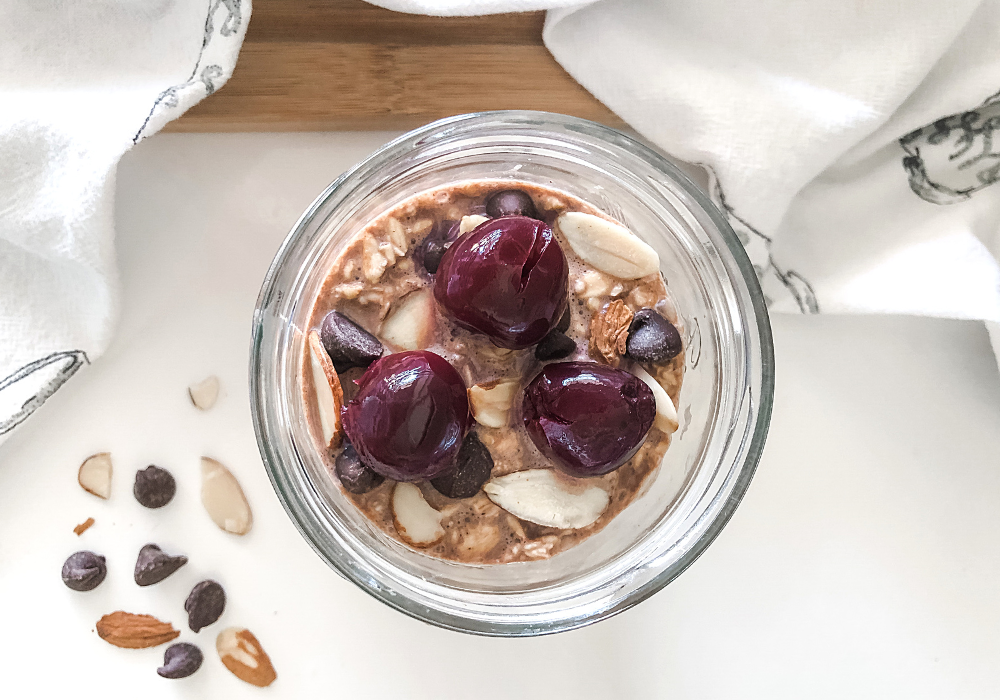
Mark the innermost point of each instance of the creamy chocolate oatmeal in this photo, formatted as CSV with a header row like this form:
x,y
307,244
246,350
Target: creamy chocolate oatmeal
x,y
492,370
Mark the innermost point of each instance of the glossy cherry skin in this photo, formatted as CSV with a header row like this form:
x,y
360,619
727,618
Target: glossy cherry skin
x,y
589,419
409,416
506,279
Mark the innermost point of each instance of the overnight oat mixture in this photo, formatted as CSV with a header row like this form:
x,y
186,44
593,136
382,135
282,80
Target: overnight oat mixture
x,y
492,370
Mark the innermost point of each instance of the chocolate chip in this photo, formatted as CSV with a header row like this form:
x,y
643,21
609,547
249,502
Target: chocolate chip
x,y
154,487
353,474
204,605
472,470
652,338
436,244
180,661
153,565
511,203
84,571
554,346
563,324
433,250
348,344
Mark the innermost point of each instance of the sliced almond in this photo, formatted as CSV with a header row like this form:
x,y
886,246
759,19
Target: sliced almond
x,y
329,392
415,520
397,236
223,498
666,414
608,246
131,631
242,654
593,284
410,325
491,402
372,261
95,474
205,393
540,496
470,222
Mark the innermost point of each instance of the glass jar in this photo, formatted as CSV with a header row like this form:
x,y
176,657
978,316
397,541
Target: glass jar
x,y
725,400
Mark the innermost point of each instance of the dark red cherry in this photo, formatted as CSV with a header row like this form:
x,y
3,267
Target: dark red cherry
x,y
587,418
506,279
409,416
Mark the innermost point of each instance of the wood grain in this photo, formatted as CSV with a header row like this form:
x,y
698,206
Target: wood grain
x,y
314,65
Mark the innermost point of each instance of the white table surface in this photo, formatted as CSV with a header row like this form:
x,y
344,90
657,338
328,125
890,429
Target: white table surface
x,y
864,561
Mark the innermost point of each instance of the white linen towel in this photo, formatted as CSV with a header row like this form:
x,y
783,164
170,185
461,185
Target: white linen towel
x,y
851,144
80,83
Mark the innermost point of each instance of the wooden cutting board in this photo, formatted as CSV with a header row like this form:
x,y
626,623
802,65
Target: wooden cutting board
x,y
316,65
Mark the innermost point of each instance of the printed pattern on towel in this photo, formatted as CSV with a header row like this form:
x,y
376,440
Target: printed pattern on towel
x,y
206,74
775,280
954,157
71,361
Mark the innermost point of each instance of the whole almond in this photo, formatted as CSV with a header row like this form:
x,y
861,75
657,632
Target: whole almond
x,y
243,655
132,631
609,332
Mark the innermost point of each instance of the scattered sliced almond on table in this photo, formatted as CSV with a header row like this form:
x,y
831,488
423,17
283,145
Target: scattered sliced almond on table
x,y
608,246
132,631
540,496
415,520
243,655
329,392
223,498
95,474
491,402
666,413
205,393
410,325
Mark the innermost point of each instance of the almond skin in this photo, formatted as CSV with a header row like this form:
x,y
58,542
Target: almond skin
x,y
132,631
